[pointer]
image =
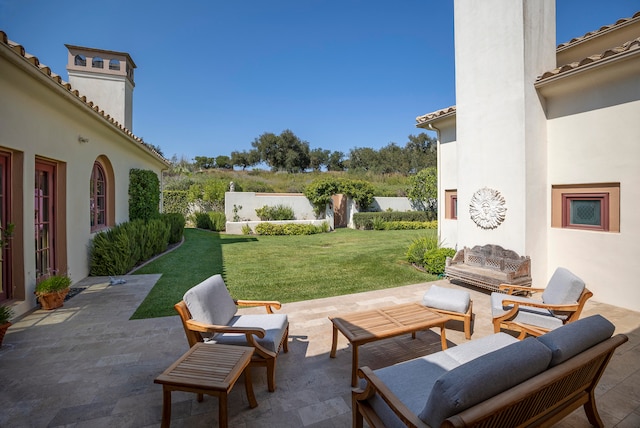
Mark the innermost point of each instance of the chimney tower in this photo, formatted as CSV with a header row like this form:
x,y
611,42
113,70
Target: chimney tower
x,y
106,78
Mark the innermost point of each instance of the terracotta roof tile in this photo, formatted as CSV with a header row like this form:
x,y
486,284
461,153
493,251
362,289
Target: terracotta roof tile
x,y
590,34
56,79
609,54
435,115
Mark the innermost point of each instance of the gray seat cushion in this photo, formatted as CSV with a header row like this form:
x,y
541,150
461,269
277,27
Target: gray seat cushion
x,y
526,314
575,337
210,302
447,299
483,378
411,381
275,325
478,347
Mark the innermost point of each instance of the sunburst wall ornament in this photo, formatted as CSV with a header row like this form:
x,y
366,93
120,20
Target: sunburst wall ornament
x,y
487,208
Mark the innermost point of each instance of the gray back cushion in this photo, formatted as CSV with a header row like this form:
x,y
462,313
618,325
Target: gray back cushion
x,y
210,302
563,288
571,339
483,378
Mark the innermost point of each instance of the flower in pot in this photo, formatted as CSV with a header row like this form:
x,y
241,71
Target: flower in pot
x,y
52,290
6,313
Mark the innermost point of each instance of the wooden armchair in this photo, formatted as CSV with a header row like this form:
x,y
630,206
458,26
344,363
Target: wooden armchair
x,y
562,302
208,314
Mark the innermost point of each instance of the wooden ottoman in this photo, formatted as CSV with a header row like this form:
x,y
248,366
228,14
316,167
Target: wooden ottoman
x,y
210,369
455,304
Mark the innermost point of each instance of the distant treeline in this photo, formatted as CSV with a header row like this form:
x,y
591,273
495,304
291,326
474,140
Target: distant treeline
x,y
288,153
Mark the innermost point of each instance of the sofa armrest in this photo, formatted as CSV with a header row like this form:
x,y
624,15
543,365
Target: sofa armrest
x,y
375,386
562,308
269,305
215,329
510,289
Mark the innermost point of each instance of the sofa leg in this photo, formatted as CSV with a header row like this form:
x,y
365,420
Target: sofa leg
x,y
592,412
357,416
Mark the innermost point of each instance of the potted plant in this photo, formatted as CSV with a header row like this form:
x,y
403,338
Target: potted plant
x,y
52,290
6,313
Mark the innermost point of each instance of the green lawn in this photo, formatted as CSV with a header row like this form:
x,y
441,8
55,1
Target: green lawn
x,y
284,268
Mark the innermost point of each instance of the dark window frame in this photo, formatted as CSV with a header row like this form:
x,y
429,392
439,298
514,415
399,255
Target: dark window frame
x,y
568,198
98,175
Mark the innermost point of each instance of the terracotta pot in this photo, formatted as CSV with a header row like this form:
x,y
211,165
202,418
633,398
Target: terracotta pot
x,y
3,330
52,300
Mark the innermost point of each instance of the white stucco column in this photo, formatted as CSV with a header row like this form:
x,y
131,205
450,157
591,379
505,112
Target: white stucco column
x,y
501,46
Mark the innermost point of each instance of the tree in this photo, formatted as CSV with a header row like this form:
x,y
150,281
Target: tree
x,y
245,158
422,152
204,162
223,162
363,158
392,158
284,152
317,158
423,191
335,161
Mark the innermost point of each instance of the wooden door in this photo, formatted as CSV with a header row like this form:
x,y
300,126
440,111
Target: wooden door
x,y
44,219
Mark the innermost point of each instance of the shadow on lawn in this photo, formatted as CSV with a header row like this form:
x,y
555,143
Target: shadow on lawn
x,y
216,259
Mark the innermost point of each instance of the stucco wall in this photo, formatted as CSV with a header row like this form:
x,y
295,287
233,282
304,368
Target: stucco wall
x,y
247,203
41,122
498,111
447,180
594,138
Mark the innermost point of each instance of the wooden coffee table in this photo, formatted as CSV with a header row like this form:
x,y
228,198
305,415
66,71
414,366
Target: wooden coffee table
x,y
210,369
377,324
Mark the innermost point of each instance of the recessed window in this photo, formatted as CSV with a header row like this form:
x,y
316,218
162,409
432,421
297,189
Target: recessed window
x,y
114,64
80,60
98,197
588,207
451,204
97,62
585,211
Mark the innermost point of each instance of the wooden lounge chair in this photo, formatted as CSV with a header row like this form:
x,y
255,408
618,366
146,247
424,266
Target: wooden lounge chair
x,y
208,314
562,303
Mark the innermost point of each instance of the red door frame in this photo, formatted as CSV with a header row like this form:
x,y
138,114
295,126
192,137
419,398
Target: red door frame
x,y
6,292
44,218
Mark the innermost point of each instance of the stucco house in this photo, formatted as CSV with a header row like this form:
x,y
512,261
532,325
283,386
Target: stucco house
x,y
65,157
541,153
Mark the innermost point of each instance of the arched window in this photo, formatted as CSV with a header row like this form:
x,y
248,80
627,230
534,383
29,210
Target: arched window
x,y
114,64
80,60
97,62
98,197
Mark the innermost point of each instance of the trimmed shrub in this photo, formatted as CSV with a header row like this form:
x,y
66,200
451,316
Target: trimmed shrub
x,y
120,249
409,225
176,201
218,221
434,260
144,194
246,229
418,248
290,229
110,253
278,212
202,220
364,220
175,221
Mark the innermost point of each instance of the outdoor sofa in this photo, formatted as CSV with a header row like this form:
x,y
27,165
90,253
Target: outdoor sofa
x,y
493,381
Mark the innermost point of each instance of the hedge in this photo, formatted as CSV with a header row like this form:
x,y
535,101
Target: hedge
x,y
267,228
365,220
119,249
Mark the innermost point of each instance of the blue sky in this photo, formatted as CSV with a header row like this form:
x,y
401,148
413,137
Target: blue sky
x,y
214,75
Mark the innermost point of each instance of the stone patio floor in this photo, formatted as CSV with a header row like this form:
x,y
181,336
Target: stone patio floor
x,y
87,365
